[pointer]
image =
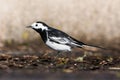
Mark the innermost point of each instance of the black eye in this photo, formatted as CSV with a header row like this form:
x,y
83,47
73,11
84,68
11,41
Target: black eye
x,y
36,25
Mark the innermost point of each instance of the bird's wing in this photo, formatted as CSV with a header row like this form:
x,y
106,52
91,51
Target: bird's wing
x,y
63,38
60,40
58,36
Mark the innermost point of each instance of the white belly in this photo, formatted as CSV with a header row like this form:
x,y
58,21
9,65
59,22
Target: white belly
x,y
59,47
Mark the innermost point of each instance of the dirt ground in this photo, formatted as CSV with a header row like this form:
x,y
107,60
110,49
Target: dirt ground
x,y
31,62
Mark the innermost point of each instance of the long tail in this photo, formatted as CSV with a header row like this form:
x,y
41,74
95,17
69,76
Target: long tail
x,y
91,48
85,46
88,47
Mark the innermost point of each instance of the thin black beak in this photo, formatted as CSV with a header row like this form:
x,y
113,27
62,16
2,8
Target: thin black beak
x,y
28,27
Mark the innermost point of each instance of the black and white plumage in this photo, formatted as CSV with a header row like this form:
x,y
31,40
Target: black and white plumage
x,y
57,39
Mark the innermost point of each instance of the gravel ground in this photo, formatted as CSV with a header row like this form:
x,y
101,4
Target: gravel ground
x,y
33,63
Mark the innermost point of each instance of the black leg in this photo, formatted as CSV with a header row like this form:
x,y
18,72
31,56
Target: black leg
x,y
58,54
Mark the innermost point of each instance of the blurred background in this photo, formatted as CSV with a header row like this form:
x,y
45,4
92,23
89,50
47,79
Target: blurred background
x,y
91,21
95,22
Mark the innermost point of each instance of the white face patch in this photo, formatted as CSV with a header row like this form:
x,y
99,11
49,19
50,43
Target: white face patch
x,y
39,26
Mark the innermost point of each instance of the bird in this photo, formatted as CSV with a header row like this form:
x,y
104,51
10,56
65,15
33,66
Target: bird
x,y
57,39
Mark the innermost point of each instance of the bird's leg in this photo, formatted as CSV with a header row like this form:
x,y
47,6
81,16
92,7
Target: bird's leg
x,y
58,54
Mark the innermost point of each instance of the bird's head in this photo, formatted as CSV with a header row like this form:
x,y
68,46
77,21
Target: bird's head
x,y
38,26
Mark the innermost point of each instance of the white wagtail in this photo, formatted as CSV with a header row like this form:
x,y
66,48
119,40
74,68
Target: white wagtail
x,y
57,39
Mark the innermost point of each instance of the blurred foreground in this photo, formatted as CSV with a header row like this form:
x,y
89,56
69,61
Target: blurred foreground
x,y
35,67
36,61
37,75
